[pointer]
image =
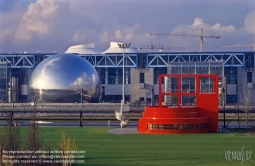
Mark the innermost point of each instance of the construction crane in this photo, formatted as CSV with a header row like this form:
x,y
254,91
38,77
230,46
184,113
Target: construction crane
x,y
161,48
201,36
240,45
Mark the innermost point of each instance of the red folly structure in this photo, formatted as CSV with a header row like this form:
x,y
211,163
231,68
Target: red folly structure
x,y
188,103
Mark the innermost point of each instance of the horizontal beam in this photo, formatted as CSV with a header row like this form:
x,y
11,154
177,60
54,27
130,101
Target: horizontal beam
x,y
90,107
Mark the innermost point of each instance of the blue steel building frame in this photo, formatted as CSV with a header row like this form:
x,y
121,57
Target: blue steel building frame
x,y
19,60
111,60
231,59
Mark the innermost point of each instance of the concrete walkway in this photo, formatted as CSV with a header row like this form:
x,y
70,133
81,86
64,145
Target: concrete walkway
x,y
120,131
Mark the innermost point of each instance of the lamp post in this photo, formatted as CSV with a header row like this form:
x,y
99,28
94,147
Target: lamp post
x,y
224,113
13,96
81,98
123,46
81,108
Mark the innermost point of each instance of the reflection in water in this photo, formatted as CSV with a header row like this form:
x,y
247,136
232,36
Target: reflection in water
x,y
64,78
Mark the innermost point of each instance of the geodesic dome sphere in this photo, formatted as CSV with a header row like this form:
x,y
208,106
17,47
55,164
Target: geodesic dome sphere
x,y
64,78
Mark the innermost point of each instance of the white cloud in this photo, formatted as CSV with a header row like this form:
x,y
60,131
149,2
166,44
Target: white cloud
x,y
192,43
5,34
118,35
130,36
199,23
9,22
123,33
54,25
249,22
36,21
88,9
219,27
79,37
104,37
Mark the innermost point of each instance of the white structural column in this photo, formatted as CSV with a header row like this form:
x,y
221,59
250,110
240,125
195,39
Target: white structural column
x,y
123,46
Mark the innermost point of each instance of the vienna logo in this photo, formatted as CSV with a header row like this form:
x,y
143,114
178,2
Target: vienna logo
x,y
241,155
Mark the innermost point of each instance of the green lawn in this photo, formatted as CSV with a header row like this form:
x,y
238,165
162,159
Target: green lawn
x,y
105,149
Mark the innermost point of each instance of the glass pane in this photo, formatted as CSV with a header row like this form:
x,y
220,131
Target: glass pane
x,y
206,85
188,85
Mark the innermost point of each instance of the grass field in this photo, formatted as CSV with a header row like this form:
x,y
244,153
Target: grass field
x,y
104,149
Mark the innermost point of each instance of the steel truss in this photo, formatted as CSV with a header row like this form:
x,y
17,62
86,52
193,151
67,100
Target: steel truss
x,y
111,60
161,60
131,60
19,60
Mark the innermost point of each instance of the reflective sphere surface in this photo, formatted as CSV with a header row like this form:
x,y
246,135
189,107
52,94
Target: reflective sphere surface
x,y
64,78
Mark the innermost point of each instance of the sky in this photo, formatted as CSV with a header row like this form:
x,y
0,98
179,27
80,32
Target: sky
x,y
55,25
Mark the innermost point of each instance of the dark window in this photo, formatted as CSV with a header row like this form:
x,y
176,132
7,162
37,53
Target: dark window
x,y
141,77
142,61
231,99
21,74
115,76
111,75
231,75
119,75
157,71
249,60
112,98
249,77
128,78
101,74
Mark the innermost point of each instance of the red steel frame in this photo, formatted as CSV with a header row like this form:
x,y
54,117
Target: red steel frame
x,y
200,118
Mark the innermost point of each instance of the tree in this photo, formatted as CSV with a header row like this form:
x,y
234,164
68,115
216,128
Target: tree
x,y
11,141
34,142
66,146
245,99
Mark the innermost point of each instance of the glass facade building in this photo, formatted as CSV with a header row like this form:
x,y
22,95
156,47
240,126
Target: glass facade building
x,y
141,72
4,79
